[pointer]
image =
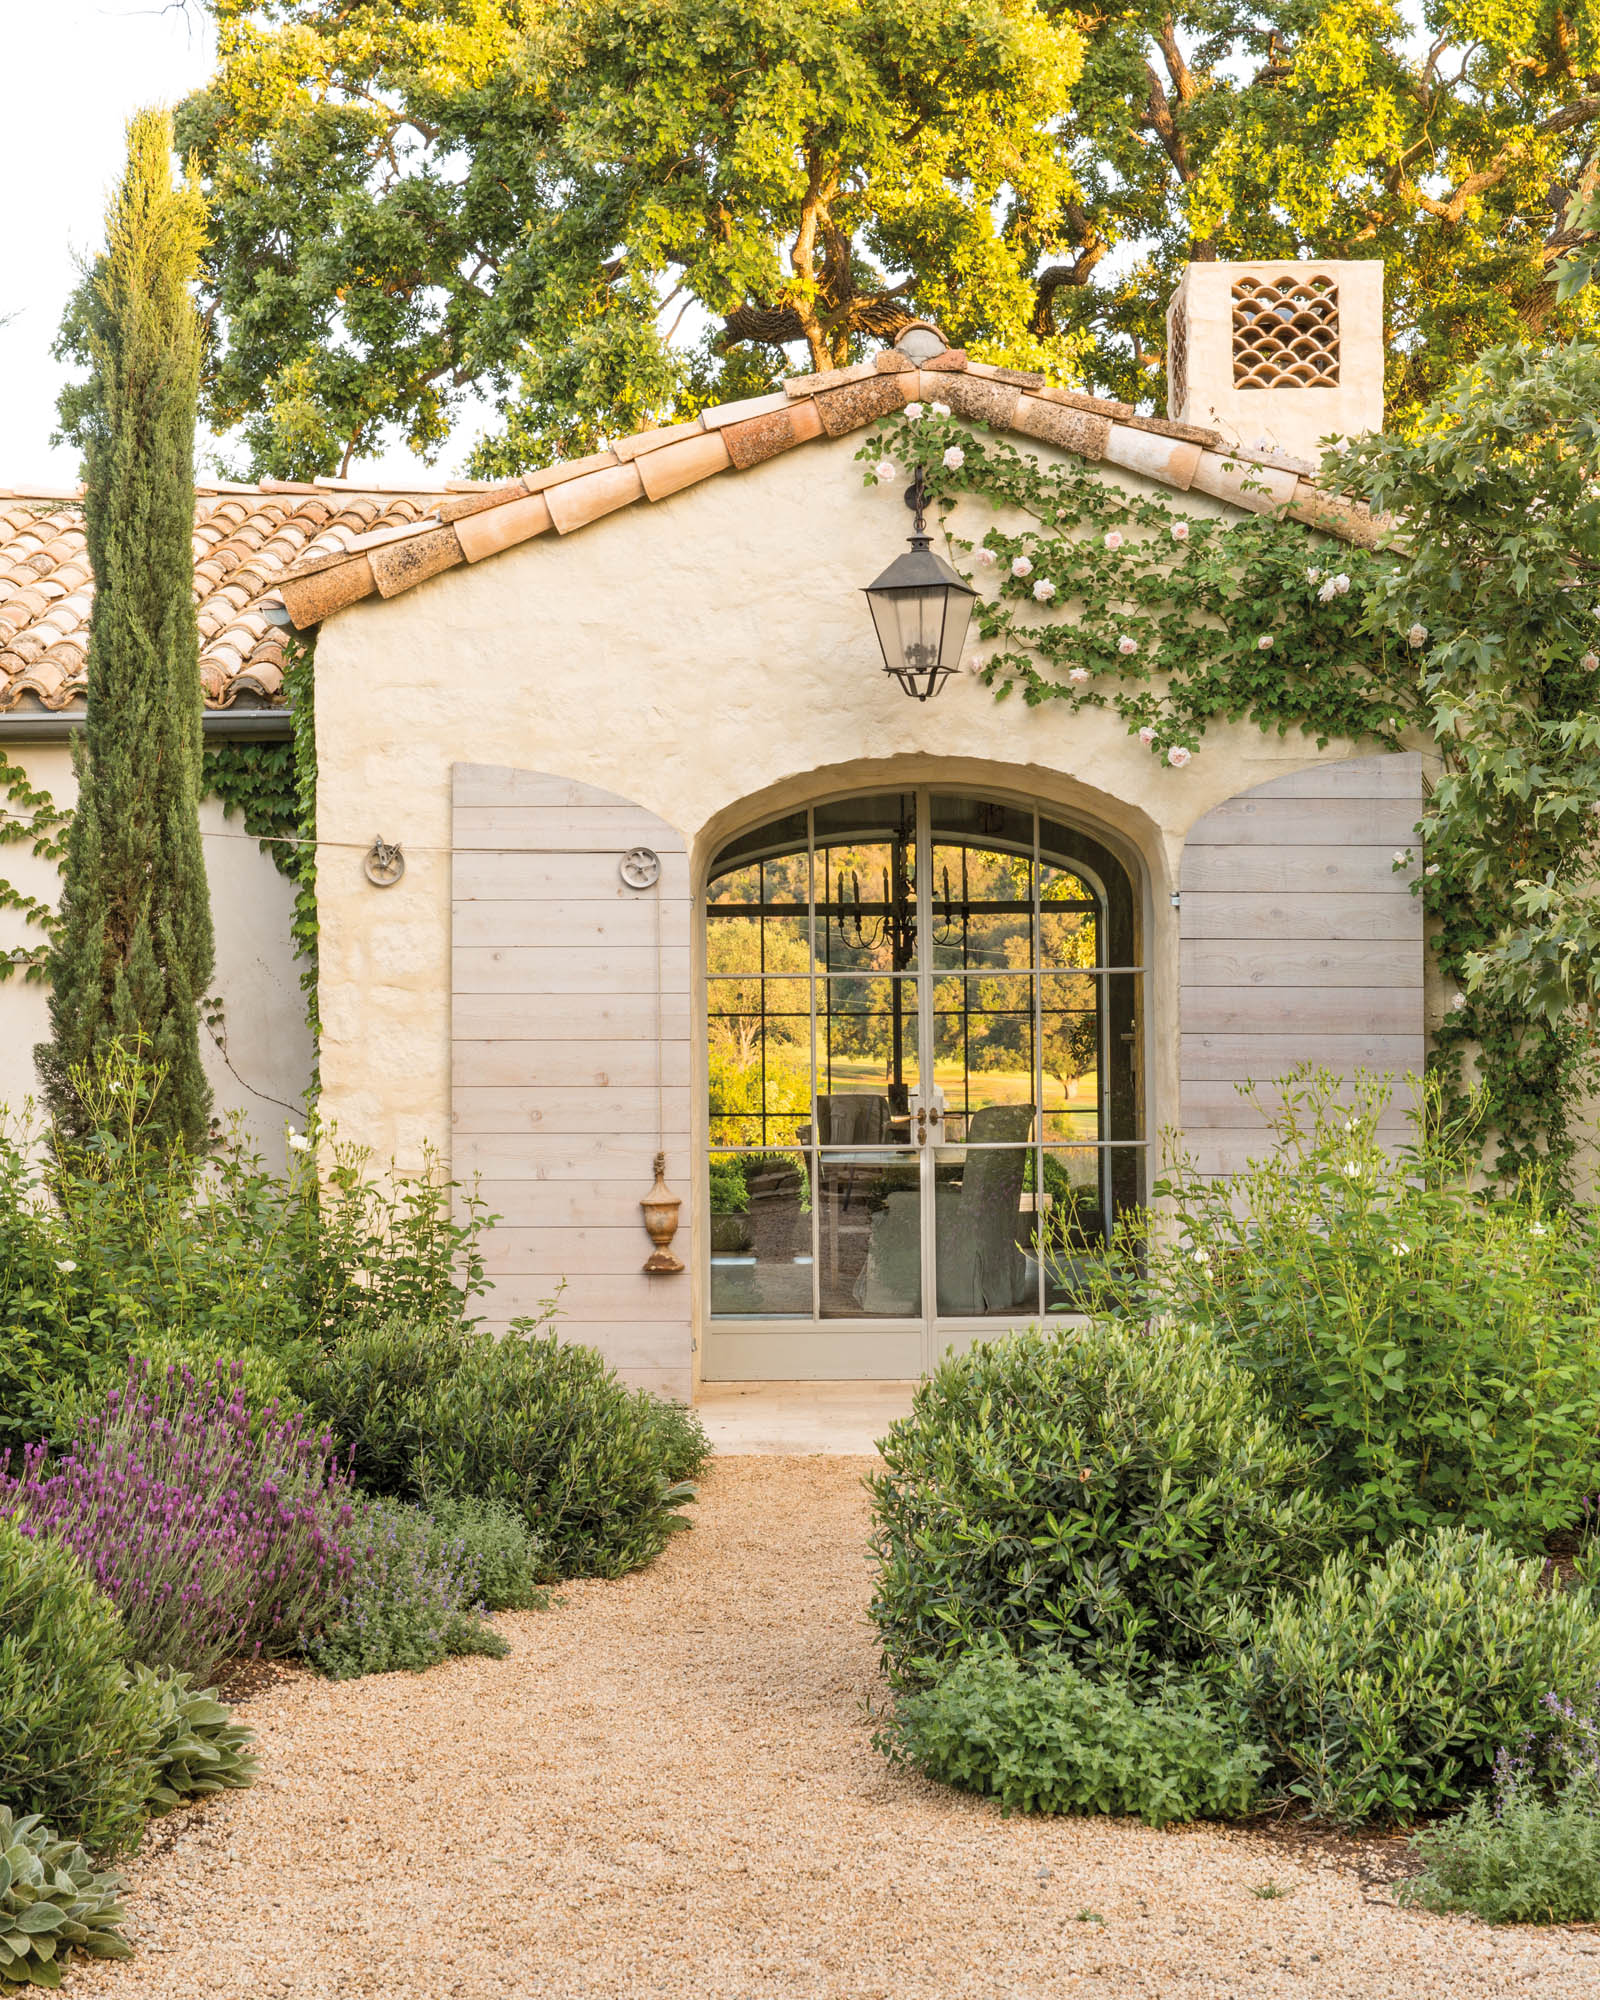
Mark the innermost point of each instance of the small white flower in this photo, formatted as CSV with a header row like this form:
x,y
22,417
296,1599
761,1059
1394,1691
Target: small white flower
x,y
1127,646
976,664
1044,590
1313,576
1203,1258
299,1143
954,459
65,1264
1400,1249
1417,636
1147,736
1078,676
1113,541
1180,531
1352,1124
940,409
1020,566
885,470
1264,643
1327,593
1590,662
1177,756
987,557
1352,1170
913,410
1432,868
1537,1229
1341,583
1402,857
1459,1001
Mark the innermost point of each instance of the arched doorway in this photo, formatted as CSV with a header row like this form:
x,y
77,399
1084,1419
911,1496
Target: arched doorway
x,y
924,1107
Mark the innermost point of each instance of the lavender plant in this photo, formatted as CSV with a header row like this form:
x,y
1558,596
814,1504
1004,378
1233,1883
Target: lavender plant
x,y
412,1601
213,1530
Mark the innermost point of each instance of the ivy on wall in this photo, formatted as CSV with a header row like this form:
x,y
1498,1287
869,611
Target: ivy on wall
x,y
31,818
1106,599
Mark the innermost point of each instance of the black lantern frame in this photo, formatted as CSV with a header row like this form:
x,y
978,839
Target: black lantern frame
x,y
920,609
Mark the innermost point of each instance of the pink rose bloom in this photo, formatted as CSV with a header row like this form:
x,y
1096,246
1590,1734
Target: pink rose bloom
x,y
1180,531
1127,646
1078,675
1020,566
1264,643
1113,541
1177,756
1147,736
1044,590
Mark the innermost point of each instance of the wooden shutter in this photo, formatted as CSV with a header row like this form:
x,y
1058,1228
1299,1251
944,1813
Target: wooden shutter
x,y
570,1056
1299,941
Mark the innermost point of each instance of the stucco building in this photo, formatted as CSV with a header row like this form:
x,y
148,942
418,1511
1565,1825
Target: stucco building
x,y
629,846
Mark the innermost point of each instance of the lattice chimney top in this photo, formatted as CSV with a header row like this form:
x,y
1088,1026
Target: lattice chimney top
x,y
1278,355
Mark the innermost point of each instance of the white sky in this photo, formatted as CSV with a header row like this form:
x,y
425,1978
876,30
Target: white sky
x,y
74,71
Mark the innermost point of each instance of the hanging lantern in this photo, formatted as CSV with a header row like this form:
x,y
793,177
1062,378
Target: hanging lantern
x,y
921,609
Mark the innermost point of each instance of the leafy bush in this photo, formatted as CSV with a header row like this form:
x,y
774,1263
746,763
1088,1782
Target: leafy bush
x,y
73,1732
111,1241
213,1529
51,1903
196,1747
1522,1859
1099,1494
1441,1349
1383,1692
597,1469
507,1558
1041,1737
411,1602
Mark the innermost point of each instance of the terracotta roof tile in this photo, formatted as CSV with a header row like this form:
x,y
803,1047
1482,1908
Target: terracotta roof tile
x,y
246,540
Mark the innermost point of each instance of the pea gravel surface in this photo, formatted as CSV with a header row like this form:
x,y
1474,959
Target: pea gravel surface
x,y
669,1788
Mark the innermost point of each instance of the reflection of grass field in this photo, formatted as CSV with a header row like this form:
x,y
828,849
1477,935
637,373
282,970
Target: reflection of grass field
x,y
985,1086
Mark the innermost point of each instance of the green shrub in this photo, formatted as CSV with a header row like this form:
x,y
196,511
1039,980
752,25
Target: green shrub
x,y
73,1730
264,1376
116,1242
51,1903
1440,1349
411,1602
595,1468
506,1557
1100,1494
195,1746
1522,1859
1384,1691
1040,1737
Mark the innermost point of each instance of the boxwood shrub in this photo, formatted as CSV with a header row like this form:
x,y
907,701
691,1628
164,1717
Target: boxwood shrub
x,y
1100,1494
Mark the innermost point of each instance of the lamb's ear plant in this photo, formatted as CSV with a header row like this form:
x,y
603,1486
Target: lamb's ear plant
x,y
196,1746
52,1902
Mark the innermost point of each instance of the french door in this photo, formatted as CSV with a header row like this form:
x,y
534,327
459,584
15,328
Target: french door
x,y
924,1103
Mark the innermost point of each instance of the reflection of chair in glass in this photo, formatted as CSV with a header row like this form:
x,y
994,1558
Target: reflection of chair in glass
x,y
982,1268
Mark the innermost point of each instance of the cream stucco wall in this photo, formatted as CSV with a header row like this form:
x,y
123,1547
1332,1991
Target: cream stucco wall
x,y
266,1071
709,657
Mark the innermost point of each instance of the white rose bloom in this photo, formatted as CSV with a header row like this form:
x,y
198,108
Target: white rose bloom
x,y
1078,676
940,409
1402,857
1417,636
1044,590
1177,756
913,410
1127,645
1264,643
1147,736
1313,576
1327,593
299,1143
1180,531
1432,868
987,558
1458,1003
1341,583
1020,566
954,459
976,664
885,470
1113,541
1590,662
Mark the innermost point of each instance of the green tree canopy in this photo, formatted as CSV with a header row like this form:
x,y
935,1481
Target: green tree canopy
x,y
598,213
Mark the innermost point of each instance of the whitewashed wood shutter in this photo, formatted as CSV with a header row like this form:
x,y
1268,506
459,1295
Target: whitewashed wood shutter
x,y
1299,941
570,1056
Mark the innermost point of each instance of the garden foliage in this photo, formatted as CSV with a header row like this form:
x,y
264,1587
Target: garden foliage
x,y
412,1599
507,1557
74,1731
1039,1736
52,1902
1384,1690
1437,1348
1520,1857
599,1471
197,1748
1101,1495
214,1534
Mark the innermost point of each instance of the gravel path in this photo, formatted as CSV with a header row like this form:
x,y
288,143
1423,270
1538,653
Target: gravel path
x,y
668,1788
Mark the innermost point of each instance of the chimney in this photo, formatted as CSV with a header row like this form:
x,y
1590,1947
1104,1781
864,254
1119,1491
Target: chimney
x,y
1280,355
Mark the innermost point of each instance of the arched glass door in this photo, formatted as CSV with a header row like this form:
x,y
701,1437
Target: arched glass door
x,y
924,1112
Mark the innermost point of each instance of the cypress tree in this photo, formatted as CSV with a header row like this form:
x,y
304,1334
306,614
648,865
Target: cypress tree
x,y
134,951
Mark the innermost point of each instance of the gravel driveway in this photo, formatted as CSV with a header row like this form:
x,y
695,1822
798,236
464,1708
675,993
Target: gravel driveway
x,y
668,1788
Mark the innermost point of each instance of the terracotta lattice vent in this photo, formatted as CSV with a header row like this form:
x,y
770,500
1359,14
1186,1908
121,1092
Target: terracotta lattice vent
x,y
1286,333
1177,360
